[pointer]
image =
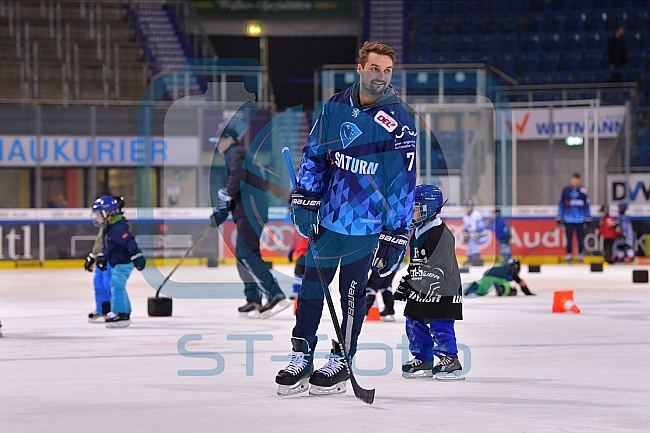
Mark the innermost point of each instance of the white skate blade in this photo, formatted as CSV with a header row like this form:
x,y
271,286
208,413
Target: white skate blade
x,y
281,306
120,324
389,318
339,388
449,375
250,315
422,374
300,386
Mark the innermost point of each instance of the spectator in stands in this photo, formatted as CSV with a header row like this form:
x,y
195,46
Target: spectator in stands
x,y
58,201
617,54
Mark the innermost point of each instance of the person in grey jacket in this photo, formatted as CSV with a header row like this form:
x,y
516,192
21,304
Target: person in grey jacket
x,y
432,292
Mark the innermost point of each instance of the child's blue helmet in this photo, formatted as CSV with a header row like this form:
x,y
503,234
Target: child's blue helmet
x,y
622,207
428,203
106,206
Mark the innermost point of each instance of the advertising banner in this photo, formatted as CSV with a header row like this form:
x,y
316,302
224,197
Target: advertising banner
x,y
635,191
535,124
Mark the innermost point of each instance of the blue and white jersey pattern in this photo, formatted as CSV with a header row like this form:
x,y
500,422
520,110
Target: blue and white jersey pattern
x,y
361,161
574,205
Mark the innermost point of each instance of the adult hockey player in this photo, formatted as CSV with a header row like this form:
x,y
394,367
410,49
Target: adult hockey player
x,y
431,290
624,245
573,212
253,271
355,201
474,233
377,284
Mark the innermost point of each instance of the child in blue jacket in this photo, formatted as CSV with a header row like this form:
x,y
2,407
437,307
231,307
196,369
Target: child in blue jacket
x,y
121,253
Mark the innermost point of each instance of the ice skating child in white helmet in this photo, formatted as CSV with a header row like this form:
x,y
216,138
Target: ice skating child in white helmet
x,y
431,290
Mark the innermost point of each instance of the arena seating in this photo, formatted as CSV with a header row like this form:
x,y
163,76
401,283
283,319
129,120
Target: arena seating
x,y
69,51
534,41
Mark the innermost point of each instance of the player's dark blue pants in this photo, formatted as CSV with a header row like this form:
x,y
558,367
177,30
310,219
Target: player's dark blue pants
x,y
253,271
424,333
580,232
353,254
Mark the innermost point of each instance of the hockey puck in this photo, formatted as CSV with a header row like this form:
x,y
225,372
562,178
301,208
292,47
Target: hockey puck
x,y
640,276
159,307
534,268
596,267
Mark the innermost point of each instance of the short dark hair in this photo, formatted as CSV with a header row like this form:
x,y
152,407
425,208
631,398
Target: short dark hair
x,y
576,175
375,47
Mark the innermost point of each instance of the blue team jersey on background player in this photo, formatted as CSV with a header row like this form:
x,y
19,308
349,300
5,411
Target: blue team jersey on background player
x,y
361,161
574,205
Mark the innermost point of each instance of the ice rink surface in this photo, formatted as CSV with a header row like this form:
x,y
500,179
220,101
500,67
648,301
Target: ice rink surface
x,y
529,370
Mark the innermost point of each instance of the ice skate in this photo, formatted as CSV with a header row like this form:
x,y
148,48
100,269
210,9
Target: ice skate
x,y
96,318
117,320
569,259
273,307
249,310
294,378
388,313
448,368
331,378
417,369
0,329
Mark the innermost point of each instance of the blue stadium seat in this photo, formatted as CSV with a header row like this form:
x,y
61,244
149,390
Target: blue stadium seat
x,y
444,26
548,62
591,60
537,23
531,42
509,24
569,61
637,40
529,62
487,43
592,20
466,24
574,41
485,26
464,43
551,42
507,42
593,41
557,24
506,63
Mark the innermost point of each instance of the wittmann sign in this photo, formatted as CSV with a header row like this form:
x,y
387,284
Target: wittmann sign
x,y
535,124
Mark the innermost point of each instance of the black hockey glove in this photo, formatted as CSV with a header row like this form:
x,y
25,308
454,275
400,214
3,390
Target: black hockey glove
x,y
101,262
138,260
403,290
389,253
90,259
304,211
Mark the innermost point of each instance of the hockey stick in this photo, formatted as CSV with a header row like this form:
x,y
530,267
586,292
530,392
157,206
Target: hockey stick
x,y
205,232
365,395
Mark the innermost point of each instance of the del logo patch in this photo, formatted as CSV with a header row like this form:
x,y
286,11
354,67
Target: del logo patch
x,y
349,132
386,121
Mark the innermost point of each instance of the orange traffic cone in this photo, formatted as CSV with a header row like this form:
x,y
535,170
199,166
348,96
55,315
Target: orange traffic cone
x,y
563,302
373,314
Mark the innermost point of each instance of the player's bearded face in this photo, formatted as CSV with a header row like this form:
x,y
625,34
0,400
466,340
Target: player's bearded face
x,y
375,75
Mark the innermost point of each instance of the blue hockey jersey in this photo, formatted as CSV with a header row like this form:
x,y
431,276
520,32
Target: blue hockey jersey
x,y
361,161
574,205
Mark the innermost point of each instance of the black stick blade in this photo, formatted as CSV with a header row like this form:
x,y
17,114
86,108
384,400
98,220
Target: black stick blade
x,y
365,395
